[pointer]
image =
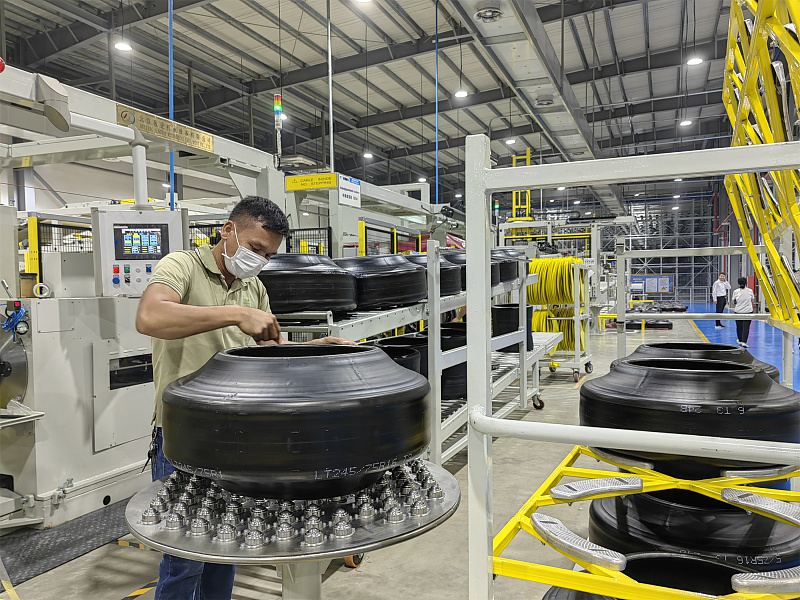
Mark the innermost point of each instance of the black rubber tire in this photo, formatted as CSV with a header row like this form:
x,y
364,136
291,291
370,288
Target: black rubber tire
x,y
300,282
588,367
686,572
538,403
412,341
552,369
509,261
295,420
694,397
703,351
648,324
651,522
576,376
505,319
449,274
454,379
405,356
354,560
386,280
459,257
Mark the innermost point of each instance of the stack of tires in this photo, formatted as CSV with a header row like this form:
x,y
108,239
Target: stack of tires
x,y
702,397
386,280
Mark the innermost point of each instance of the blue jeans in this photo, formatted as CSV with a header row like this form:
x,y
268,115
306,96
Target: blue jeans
x,y
180,578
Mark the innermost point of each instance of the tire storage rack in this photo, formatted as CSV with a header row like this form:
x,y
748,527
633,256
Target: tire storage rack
x,y
511,372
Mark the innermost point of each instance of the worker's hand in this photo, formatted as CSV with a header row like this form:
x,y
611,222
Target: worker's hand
x,y
261,326
333,341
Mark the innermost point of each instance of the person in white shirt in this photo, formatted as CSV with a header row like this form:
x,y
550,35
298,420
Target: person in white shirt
x,y
743,300
719,295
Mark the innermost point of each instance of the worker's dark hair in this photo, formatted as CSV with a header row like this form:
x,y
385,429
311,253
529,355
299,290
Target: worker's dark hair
x,y
742,282
263,211
723,273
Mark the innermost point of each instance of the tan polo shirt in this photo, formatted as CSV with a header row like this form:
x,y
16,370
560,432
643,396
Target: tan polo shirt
x,y
194,274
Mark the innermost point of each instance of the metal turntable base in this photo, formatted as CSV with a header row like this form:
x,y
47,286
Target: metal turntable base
x,y
193,518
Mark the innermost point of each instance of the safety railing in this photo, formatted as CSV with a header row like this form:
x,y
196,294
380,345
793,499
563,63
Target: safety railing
x,y
310,240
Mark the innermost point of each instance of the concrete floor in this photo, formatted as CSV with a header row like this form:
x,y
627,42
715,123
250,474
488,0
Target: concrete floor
x,y
433,566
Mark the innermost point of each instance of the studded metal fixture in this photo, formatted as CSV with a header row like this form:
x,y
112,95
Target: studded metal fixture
x,y
231,519
165,494
204,513
390,503
284,531
395,515
313,510
343,529
234,507
287,506
419,508
209,503
150,516
171,485
313,537
259,512
253,538
428,483
173,521
435,493
366,511
407,489
340,514
159,505
226,533
361,499
313,523
180,508
422,474
235,498
192,489
286,517
413,496
186,498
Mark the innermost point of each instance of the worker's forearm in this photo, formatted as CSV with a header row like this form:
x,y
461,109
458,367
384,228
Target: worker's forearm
x,y
171,321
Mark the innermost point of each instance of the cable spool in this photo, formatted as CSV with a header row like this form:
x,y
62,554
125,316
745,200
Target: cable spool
x,y
693,397
563,323
703,527
704,351
556,280
681,571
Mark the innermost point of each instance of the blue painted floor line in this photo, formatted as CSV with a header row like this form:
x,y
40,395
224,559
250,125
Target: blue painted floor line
x,y
766,343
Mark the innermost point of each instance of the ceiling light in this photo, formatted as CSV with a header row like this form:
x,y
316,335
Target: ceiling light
x,y
459,195
588,212
694,61
367,154
675,207
561,188
552,199
676,196
685,122
461,94
422,180
511,141
637,195
678,179
577,202
363,1
165,185
488,12
123,45
284,116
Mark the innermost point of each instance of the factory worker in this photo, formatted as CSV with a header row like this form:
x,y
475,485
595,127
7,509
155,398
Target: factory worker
x,y
719,295
200,302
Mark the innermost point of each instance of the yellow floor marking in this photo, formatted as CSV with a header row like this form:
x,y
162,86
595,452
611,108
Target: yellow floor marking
x,y
700,333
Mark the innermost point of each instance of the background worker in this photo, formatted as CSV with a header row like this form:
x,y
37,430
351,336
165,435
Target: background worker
x,y
719,295
200,302
743,301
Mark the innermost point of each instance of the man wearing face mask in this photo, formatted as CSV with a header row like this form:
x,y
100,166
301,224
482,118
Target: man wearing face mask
x,y
200,302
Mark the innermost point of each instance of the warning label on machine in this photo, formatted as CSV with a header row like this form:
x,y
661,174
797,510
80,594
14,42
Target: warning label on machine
x,y
164,128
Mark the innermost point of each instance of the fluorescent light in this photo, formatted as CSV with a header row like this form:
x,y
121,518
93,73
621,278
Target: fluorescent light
x,y
123,45
676,196
367,154
305,214
678,179
552,199
685,122
637,195
459,195
165,185
561,188
284,116
461,94
422,180
363,1
577,202
588,212
694,61
675,207
511,141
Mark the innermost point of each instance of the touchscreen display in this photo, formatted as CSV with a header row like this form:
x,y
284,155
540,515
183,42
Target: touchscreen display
x,y
142,242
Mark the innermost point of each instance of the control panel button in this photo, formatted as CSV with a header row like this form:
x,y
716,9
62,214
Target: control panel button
x,y
127,278
115,281
116,269
127,268
148,268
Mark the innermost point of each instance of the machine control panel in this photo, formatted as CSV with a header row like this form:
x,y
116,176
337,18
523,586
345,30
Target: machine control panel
x,y
129,244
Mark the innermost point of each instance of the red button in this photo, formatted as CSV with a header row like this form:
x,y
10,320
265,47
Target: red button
x,y
116,269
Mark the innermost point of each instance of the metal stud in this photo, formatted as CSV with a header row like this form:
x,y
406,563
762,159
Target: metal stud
x,y
234,507
199,527
428,483
159,505
343,529
340,514
414,496
419,508
390,503
436,493
259,512
165,494
257,524
313,510
150,516
226,533
286,517
173,521
395,515
204,513
186,498
366,511
361,499
313,537
180,508
284,531
231,519
253,539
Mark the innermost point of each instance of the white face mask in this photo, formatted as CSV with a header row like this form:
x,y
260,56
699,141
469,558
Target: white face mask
x,y
244,262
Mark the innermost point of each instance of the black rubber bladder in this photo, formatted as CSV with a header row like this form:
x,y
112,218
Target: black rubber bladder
x,y
386,280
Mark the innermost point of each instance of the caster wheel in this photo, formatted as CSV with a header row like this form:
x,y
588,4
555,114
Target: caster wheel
x,y
589,367
552,369
538,403
576,375
353,561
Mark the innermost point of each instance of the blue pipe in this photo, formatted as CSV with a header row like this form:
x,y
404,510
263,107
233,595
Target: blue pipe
x,y
436,92
171,111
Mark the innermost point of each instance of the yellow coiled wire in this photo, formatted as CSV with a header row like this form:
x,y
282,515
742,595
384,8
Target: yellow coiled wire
x,y
555,287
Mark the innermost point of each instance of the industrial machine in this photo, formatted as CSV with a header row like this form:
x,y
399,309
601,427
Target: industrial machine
x,y
76,378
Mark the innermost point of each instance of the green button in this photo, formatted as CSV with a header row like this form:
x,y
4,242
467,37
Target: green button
x,y
127,269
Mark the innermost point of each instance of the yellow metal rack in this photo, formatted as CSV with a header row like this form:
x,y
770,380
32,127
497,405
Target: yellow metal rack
x,y
603,581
